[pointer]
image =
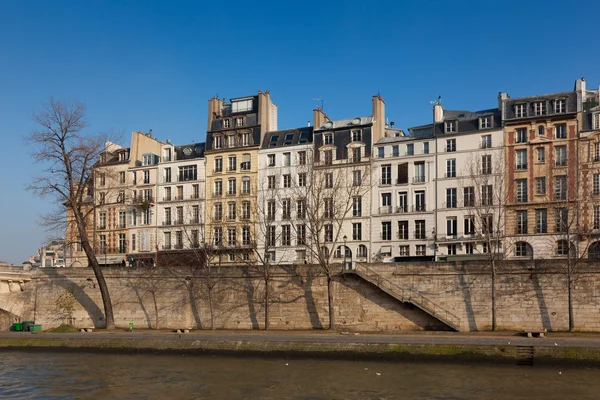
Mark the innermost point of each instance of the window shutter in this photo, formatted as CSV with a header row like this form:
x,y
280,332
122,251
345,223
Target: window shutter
x,y
403,173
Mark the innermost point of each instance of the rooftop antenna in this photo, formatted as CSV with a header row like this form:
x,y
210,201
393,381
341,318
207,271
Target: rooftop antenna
x,y
321,100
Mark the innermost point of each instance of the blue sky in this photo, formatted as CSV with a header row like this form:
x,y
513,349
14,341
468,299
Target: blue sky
x,y
141,65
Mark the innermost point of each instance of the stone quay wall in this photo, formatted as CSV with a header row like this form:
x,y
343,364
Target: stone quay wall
x,y
529,295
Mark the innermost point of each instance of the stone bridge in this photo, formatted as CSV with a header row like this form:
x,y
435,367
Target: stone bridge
x,y
14,299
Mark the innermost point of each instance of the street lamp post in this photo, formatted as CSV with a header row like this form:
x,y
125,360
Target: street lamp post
x,y
345,239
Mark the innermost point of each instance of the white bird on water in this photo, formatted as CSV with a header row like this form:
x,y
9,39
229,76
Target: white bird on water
x,y
378,373
287,363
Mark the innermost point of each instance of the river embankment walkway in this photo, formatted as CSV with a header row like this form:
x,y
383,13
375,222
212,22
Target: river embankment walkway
x,y
500,346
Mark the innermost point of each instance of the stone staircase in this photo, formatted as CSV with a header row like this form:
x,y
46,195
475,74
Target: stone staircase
x,y
405,295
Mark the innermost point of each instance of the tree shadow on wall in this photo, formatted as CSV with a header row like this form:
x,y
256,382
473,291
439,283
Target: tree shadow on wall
x,y
409,311
466,292
539,295
303,276
95,313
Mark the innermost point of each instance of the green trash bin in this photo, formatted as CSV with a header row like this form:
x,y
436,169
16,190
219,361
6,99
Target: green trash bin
x,y
27,324
17,326
35,328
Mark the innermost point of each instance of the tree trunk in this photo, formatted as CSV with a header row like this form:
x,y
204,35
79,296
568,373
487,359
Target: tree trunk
x,y
212,311
155,309
493,265
266,304
570,293
108,310
330,300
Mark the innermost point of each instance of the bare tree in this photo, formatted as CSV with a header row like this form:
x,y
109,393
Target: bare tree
x,y
329,193
68,155
484,196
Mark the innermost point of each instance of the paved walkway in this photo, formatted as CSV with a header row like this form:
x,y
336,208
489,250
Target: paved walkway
x,y
443,338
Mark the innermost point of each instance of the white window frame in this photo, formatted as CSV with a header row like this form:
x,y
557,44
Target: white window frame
x,y
451,126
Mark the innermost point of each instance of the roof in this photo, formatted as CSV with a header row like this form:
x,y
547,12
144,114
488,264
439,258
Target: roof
x,y
288,137
345,123
190,151
570,103
468,123
462,115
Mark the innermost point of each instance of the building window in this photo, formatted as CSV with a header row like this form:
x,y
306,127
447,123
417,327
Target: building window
x,y
271,234
560,156
562,218
271,182
469,196
596,184
231,141
218,215
469,225
541,154
122,219
218,188
245,210
386,230
450,198
521,188
426,148
386,174
232,163
231,188
451,227
328,233
541,130
287,157
420,201
451,126
362,251
217,142
540,185
328,208
357,135
404,250
133,242
522,249
146,177
521,159
486,164
122,177
300,235
380,152
328,155
226,123
486,142
231,236
521,135
231,210
286,209
539,107
302,179
188,173
541,220
520,110
328,138
271,210
487,224
469,248
403,230
302,158
357,206
245,185
356,178
246,139
402,202
420,232
562,247
329,180
450,145
239,121
300,209
487,198
559,106
560,187
451,168
245,165
596,122
102,220
271,160
357,231
420,249
103,248
561,131
395,151
485,122
410,149
287,181
286,235
596,217
521,217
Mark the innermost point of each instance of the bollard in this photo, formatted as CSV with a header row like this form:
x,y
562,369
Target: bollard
x,y
131,327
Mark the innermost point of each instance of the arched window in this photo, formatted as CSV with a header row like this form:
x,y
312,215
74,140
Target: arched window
x,y
523,249
362,251
339,253
541,130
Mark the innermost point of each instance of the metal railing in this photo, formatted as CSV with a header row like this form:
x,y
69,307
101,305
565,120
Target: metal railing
x,y
407,296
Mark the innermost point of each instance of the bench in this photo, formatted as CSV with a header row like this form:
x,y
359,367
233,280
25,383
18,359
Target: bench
x,y
534,333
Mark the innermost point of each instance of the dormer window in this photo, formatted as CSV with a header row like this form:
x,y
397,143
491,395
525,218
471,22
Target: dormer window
x,y
239,121
167,154
226,123
274,140
539,107
451,126
123,156
241,105
246,139
148,159
231,141
596,121
328,138
485,122
520,111
288,139
559,106
357,135
218,142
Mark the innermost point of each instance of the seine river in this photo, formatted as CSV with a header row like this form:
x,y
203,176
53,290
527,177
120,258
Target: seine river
x,y
27,375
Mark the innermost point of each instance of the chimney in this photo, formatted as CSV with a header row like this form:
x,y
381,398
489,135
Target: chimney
x,y
581,92
214,109
319,117
502,98
438,112
379,118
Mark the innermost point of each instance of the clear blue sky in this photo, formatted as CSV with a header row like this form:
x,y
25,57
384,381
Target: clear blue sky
x,y
141,65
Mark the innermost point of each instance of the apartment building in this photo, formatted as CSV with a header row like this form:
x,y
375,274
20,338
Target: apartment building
x,y
144,158
403,196
541,151
469,183
180,200
285,166
589,175
235,132
110,189
342,154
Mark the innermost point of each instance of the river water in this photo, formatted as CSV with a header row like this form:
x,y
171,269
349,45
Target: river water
x,y
27,375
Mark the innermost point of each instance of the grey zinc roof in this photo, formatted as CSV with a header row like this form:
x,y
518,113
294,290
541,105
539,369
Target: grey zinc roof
x,y
296,136
190,151
345,123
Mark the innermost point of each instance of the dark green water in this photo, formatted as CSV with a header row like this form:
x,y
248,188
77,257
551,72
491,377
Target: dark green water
x,y
102,376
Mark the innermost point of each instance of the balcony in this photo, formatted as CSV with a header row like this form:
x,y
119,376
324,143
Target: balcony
x,y
385,182
231,193
245,217
167,198
521,167
178,221
217,194
401,209
450,175
166,247
403,235
286,216
420,235
194,221
231,169
167,222
419,208
398,182
217,218
485,145
418,179
217,170
231,217
449,204
560,163
178,246
194,196
385,210
385,236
